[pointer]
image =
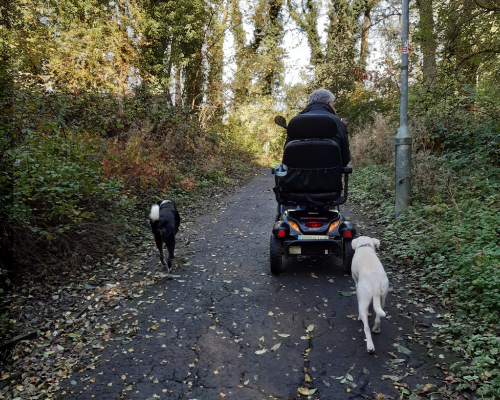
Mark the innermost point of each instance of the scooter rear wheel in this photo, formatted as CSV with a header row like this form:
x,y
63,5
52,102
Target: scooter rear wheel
x,y
275,255
347,255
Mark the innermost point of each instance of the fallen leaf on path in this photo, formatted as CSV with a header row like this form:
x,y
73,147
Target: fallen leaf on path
x,y
391,377
283,334
347,294
310,328
275,347
261,351
306,391
402,349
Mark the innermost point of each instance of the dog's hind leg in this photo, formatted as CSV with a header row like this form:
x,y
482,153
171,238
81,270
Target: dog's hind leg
x,y
159,244
170,248
363,316
377,307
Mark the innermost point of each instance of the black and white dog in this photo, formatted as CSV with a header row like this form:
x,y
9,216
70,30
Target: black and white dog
x,y
165,221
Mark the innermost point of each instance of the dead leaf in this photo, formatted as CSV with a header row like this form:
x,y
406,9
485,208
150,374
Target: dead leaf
x,y
275,347
306,391
402,349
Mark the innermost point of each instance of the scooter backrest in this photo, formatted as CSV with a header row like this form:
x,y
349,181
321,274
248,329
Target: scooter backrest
x,y
312,154
309,126
314,166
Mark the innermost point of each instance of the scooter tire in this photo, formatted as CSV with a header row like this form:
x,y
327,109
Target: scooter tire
x,y
347,255
275,255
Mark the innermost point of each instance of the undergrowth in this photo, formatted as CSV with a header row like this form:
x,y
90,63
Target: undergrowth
x,y
450,234
85,167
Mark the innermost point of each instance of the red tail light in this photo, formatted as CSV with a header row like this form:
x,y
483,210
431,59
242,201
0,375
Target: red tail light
x,y
347,234
314,224
281,233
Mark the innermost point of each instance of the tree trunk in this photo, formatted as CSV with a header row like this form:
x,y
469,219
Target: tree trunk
x,y
241,85
178,86
428,42
363,56
273,35
307,23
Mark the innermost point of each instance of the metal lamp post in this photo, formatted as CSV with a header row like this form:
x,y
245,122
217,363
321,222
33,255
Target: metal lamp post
x,y
403,137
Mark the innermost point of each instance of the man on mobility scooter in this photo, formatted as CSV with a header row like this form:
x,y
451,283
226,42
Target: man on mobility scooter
x,y
309,186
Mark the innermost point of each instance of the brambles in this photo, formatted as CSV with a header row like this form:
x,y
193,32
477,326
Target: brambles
x,y
450,232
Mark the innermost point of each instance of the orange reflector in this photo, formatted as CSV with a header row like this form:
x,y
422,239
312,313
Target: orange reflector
x,y
347,234
294,225
281,233
333,225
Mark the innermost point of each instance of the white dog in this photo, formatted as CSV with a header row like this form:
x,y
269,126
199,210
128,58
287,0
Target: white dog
x,y
371,283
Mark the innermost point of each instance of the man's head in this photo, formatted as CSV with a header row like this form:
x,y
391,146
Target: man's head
x,y
322,96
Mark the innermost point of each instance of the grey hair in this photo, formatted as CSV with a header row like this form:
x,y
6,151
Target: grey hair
x,y
321,96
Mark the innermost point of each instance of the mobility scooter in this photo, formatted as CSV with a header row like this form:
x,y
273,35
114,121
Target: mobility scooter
x,y
311,184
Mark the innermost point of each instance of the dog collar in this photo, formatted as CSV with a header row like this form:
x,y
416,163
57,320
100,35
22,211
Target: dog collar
x,y
365,245
164,203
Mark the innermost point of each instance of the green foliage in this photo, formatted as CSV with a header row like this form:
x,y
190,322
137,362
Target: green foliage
x,y
55,175
251,128
173,36
451,231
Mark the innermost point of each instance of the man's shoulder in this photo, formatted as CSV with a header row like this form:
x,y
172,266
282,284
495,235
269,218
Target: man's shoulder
x,y
319,108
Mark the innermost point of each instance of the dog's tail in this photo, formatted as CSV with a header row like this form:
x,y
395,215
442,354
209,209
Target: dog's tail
x,y
155,213
377,306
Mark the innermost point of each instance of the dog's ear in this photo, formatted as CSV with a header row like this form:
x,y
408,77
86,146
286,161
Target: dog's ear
x,y
376,242
174,203
159,202
354,243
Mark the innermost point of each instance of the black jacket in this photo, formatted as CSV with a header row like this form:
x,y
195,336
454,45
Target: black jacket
x,y
341,136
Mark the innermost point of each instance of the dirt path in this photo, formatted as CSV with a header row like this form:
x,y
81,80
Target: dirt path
x,y
199,336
